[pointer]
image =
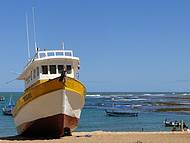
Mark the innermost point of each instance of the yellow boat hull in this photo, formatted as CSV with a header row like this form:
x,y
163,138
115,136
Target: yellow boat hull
x,y
48,108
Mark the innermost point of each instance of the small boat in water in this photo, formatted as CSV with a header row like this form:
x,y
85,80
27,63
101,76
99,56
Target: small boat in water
x,y
2,98
175,124
172,123
7,109
120,112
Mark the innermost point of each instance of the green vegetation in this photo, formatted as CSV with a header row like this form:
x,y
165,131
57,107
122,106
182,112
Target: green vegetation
x,y
166,104
172,109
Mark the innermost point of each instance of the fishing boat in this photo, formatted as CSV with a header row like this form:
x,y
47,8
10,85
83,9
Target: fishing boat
x,y
118,112
2,98
172,123
175,123
53,97
7,109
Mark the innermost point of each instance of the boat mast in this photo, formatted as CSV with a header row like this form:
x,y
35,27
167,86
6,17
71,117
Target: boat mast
x,y
62,45
34,28
27,35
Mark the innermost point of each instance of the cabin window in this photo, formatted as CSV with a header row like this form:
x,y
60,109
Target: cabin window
x,y
44,69
34,73
28,79
50,53
38,72
68,54
60,68
42,55
52,69
59,53
31,75
69,69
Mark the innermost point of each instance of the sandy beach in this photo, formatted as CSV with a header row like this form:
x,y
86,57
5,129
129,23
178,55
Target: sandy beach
x,y
110,137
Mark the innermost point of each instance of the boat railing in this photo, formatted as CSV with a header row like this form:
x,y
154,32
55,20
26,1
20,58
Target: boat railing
x,y
50,53
54,53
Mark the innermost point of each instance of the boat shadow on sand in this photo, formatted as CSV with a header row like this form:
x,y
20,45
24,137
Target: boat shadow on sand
x,y
17,137
22,138
36,137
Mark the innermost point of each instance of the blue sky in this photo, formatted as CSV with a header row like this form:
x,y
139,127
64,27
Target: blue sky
x,y
124,45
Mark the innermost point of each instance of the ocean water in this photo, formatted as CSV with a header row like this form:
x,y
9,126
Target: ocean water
x,y
153,109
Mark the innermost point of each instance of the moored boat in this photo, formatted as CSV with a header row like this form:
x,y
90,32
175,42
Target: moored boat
x,y
118,112
2,98
53,98
172,123
7,109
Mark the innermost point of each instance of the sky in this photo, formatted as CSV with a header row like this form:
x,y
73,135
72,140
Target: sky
x,y
123,45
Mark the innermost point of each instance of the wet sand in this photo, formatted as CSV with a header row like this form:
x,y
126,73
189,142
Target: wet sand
x,y
109,137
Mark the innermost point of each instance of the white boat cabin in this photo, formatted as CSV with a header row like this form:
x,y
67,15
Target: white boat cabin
x,y
49,64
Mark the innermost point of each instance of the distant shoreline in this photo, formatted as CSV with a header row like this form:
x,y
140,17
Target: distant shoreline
x,y
109,137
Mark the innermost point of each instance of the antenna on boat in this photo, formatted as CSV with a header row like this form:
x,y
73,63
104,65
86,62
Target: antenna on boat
x,y
34,28
63,45
27,35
